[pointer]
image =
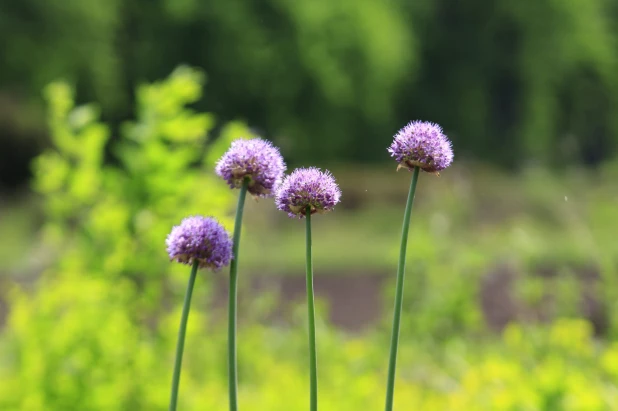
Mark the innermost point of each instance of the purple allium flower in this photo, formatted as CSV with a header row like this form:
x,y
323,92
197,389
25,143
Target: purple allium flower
x,y
256,159
422,144
307,187
202,239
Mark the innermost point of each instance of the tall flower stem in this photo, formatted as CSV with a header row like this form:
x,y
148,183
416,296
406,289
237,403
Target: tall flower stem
x,y
401,268
231,336
181,337
313,362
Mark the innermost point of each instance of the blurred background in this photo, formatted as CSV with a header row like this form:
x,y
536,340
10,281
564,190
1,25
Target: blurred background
x,y
112,115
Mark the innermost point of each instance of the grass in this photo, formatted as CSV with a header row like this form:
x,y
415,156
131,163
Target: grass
x,y
533,216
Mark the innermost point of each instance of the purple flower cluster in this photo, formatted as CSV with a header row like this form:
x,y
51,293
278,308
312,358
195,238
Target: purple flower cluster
x,y
307,187
202,239
422,144
255,159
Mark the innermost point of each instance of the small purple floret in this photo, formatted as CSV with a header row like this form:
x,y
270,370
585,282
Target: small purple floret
x,y
307,187
256,159
422,144
202,239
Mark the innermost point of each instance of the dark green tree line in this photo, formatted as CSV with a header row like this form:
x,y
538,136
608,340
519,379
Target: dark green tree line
x,y
512,82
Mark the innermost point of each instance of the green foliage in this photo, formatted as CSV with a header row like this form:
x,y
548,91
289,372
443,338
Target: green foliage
x,y
512,82
86,338
97,330
100,360
112,217
75,345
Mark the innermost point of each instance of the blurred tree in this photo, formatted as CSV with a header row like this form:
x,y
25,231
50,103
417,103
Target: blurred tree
x,y
521,81
511,82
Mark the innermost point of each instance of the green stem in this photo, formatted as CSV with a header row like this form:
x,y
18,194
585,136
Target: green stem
x,y
181,337
231,336
313,362
401,268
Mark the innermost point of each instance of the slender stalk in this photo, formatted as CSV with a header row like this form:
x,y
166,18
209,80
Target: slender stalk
x,y
231,336
401,268
313,361
181,337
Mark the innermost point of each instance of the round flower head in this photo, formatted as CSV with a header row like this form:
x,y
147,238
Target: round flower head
x,y
422,144
255,159
307,187
202,239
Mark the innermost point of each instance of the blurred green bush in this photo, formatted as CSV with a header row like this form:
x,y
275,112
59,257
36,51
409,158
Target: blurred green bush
x,y
75,347
106,223
109,218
